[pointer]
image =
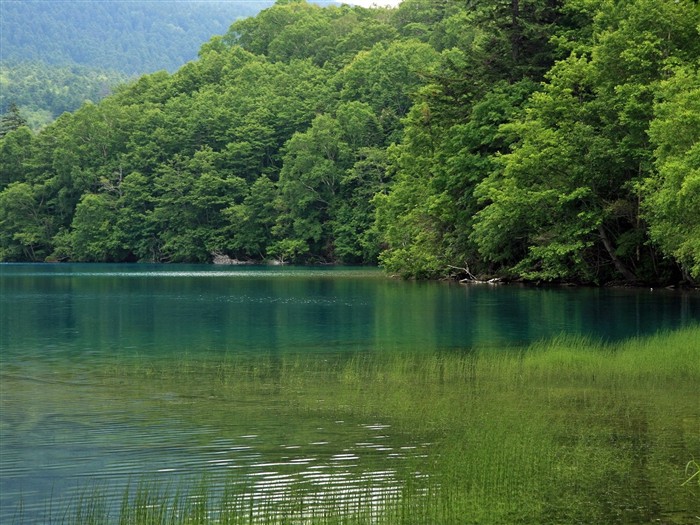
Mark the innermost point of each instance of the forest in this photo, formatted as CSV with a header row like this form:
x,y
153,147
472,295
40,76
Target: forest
x,y
42,92
534,140
115,35
54,56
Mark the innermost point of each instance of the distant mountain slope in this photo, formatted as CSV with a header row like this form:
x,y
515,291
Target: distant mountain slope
x,y
126,36
55,55
42,92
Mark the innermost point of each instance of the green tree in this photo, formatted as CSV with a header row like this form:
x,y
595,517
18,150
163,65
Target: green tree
x,y
672,195
569,192
427,217
16,149
356,240
11,120
25,226
136,223
309,185
387,77
252,221
256,34
94,236
187,215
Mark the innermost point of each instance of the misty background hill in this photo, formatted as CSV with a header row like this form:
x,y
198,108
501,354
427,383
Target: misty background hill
x,y
131,37
56,55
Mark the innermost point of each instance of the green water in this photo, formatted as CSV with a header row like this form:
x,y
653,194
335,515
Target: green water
x,y
64,426
84,310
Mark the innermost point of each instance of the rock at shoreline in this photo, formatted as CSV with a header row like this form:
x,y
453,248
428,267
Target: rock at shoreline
x,y
219,258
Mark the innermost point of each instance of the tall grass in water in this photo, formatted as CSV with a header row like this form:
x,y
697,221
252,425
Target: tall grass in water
x,y
565,431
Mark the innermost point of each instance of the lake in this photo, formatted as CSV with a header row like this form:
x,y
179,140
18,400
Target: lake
x,y
67,331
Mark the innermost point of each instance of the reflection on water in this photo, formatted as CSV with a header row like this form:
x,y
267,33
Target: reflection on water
x,y
59,438
49,310
62,429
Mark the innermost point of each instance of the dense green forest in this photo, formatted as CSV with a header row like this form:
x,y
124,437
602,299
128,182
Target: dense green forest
x,y
54,56
116,35
42,92
545,140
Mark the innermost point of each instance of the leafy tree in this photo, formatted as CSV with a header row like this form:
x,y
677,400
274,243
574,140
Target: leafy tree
x,y
672,196
15,151
25,226
11,120
94,236
386,77
356,240
252,221
136,223
568,192
309,184
427,217
188,211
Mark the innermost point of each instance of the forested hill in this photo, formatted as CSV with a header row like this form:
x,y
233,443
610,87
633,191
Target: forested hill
x,y
546,140
130,37
55,55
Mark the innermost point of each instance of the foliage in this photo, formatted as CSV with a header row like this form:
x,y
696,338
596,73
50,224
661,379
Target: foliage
x,y
559,195
56,56
115,35
529,139
42,92
672,198
11,120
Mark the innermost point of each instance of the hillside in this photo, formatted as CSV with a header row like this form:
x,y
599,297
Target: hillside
x,y
118,35
529,140
56,55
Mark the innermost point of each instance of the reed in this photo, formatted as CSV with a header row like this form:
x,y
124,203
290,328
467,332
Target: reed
x,y
565,431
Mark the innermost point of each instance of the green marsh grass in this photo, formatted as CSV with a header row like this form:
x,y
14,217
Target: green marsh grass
x,y
565,431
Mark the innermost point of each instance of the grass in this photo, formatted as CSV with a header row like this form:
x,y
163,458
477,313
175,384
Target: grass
x,y
566,431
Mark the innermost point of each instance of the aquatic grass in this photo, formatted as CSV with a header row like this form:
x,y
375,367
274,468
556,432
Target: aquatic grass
x,y
595,421
236,504
565,431
692,469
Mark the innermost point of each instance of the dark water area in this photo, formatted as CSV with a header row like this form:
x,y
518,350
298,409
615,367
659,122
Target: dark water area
x,y
60,430
71,310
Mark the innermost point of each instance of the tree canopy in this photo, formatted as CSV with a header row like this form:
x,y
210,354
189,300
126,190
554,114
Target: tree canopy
x,y
57,55
545,140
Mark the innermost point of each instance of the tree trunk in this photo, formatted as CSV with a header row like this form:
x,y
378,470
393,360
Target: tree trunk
x,y
515,36
626,273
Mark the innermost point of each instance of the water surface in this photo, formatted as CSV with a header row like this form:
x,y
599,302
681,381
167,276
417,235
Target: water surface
x,y
60,425
69,310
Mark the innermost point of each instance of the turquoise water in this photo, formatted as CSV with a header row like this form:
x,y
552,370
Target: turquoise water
x,y
69,310
58,434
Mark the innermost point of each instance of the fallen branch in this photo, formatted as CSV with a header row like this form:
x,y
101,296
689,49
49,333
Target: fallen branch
x,y
470,275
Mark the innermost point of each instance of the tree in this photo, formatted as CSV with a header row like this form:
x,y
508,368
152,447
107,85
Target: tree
x,y
309,184
25,226
569,191
187,216
355,238
427,216
94,236
672,195
256,34
15,151
11,120
251,222
387,77
136,223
